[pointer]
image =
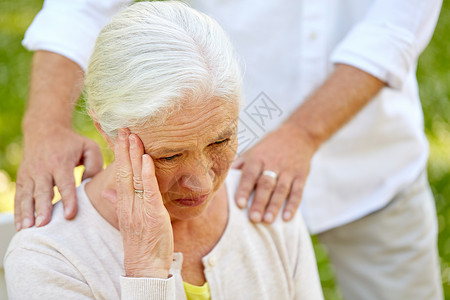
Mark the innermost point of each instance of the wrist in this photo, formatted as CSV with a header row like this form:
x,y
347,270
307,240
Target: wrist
x,y
162,274
33,122
157,268
151,271
302,132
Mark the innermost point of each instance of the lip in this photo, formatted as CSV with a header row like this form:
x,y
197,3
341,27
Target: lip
x,y
192,202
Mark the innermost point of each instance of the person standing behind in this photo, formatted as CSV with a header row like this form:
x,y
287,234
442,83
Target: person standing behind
x,y
330,87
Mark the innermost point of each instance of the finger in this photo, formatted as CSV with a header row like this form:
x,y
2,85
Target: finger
x,y
65,181
152,194
136,152
279,195
124,173
24,193
43,191
92,159
264,189
43,188
295,198
250,173
43,195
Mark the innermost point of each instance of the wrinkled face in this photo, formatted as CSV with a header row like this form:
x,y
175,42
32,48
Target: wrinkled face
x,y
192,152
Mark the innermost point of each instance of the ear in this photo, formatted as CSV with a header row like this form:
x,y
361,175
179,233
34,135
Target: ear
x,y
100,130
104,135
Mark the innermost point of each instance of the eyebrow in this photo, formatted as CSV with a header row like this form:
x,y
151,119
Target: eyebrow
x,y
224,134
162,151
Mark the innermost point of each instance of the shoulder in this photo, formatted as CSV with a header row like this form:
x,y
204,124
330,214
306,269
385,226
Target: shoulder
x,y
61,239
65,256
283,249
286,234
37,237
45,255
232,183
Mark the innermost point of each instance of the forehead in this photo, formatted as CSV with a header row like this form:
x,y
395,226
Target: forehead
x,y
197,113
191,124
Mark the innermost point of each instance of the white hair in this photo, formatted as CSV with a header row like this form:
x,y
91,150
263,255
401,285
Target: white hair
x,y
153,56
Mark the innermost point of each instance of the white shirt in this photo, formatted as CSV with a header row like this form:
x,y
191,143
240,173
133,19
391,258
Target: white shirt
x,y
83,259
289,48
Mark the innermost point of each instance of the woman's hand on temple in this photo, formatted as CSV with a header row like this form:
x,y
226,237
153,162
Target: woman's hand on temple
x,y
144,222
287,152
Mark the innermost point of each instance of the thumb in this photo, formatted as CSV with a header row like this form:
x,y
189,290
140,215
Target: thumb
x,y
92,160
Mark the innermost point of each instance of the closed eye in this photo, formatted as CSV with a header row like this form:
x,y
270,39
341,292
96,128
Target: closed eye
x,y
170,157
220,142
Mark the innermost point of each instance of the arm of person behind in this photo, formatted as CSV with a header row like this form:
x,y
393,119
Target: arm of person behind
x,y
51,148
380,50
63,34
343,95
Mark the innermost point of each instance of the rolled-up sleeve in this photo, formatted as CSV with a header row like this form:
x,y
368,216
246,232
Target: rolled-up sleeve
x,y
70,27
386,43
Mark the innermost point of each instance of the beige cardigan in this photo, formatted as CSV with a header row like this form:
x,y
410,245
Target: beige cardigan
x,y
83,259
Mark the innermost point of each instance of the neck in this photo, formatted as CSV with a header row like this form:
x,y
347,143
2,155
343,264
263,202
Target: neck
x,y
100,184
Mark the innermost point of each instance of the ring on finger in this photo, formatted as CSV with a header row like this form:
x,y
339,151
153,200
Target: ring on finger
x,y
270,174
139,193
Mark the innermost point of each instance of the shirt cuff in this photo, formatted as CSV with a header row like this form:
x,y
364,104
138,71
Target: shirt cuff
x,y
384,51
147,288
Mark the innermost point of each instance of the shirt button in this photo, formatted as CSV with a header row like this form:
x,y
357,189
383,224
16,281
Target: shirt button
x,y
312,36
212,261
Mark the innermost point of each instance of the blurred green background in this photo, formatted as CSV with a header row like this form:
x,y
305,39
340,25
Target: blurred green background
x,y
434,80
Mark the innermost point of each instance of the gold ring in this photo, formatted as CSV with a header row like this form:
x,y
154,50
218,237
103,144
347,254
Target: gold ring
x,y
139,193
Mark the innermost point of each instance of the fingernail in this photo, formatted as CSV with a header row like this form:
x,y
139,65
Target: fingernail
x,y
66,212
242,202
39,221
268,217
287,215
27,223
255,216
18,226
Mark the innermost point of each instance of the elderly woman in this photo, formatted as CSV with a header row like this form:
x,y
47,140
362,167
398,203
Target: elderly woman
x,y
163,88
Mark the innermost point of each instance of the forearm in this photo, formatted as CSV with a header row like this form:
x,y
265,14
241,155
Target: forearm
x,y
51,148
56,84
335,103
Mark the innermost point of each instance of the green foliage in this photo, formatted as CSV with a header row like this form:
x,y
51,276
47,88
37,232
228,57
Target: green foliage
x,y
15,16
434,80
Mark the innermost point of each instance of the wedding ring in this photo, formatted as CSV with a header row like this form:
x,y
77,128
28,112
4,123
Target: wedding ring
x,y
270,174
139,193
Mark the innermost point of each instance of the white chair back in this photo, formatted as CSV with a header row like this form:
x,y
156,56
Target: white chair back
x,y
7,230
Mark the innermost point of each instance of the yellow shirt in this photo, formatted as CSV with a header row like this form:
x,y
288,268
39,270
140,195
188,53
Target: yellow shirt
x,y
195,292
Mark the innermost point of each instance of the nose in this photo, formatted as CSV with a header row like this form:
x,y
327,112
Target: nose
x,y
198,178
